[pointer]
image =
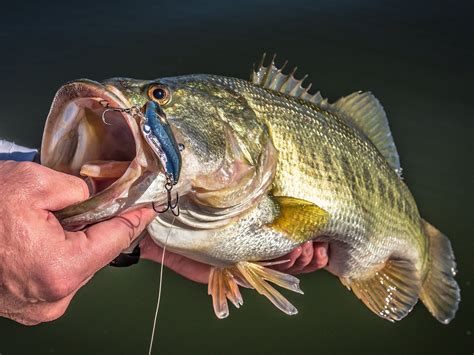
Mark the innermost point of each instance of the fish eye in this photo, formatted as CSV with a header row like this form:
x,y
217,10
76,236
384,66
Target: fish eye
x,y
159,93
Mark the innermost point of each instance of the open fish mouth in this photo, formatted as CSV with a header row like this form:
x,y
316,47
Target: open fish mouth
x,y
108,151
76,134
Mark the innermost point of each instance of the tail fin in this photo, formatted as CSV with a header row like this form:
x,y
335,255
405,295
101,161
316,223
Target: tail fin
x,y
440,292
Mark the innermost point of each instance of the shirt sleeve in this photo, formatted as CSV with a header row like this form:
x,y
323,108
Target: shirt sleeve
x,y
12,151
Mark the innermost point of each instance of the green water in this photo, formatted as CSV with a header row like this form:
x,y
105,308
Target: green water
x,y
415,56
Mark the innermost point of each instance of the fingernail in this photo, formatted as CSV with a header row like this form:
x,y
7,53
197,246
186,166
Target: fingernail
x,y
322,252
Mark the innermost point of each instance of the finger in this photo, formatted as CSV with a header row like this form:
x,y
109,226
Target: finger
x,y
292,257
304,259
56,190
320,258
188,268
92,249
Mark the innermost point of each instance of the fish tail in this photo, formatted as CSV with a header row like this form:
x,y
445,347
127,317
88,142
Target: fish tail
x,y
224,285
440,292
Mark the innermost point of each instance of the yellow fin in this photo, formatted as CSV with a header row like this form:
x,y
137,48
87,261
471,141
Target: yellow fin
x,y
392,292
364,111
298,219
440,292
223,285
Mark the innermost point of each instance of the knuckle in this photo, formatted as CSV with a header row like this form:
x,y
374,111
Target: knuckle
x,y
319,263
22,182
33,174
29,168
54,283
305,260
60,289
12,180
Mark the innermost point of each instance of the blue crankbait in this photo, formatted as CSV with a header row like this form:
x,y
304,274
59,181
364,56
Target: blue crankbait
x,y
160,138
157,133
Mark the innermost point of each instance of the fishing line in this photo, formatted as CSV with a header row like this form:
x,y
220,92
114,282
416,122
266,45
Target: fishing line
x,y
160,287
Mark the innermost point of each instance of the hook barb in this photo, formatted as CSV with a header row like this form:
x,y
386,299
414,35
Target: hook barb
x,y
103,116
174,208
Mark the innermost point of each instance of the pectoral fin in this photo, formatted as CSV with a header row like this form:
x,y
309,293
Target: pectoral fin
x,y
391,292
298,219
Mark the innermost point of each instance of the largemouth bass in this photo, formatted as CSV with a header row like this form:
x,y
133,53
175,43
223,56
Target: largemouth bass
x,y
266,167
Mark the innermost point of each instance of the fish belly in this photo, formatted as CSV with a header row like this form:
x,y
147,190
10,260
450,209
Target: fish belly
x,y
244,239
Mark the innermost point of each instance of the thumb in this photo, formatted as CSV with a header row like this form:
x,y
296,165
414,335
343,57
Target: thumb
x,y
99,244
58,190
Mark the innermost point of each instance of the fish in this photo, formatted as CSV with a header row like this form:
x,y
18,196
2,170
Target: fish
x,y
266,166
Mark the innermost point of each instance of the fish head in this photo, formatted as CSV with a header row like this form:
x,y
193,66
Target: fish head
x,y
228,158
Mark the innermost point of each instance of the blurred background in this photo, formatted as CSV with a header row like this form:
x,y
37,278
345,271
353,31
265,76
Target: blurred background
x,y
415,56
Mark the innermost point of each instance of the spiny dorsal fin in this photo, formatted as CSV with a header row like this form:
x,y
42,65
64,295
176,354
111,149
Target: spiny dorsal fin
x,y
273,78
363,110
391,292
360,109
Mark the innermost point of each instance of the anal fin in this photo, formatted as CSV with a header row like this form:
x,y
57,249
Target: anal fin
x,y
391,292
224,285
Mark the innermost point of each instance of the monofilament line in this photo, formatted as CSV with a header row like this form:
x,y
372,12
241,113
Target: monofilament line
x,y
159,288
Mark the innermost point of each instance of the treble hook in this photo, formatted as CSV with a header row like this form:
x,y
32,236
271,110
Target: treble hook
x,y
174,208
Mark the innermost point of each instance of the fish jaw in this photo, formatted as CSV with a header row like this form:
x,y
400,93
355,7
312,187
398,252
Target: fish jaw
x,y
77,132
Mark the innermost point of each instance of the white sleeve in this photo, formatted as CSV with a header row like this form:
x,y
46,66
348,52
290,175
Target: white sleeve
x,y
12,151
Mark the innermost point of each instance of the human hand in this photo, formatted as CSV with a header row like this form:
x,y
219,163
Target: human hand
x,y
306,258
42,266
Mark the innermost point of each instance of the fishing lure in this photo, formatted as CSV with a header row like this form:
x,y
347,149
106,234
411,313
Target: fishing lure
x,y
157,133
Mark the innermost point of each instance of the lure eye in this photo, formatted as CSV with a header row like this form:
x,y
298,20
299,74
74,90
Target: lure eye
x,y
146,128
160,94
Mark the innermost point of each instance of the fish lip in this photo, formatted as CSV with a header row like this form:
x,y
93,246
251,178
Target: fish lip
x,y
58,119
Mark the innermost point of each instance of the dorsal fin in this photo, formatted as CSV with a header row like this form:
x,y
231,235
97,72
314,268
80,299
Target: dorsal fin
x,y
272,78
364,111
360,109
